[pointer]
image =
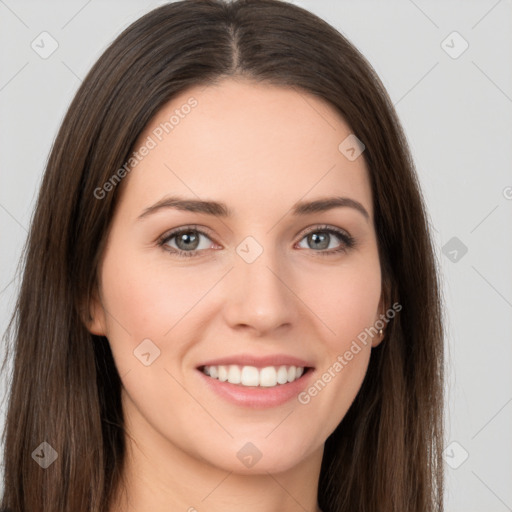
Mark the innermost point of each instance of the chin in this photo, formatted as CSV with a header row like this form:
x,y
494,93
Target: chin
x,y
260,456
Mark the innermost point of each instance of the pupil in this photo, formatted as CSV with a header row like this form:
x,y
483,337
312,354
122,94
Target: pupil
x,y
320,238
188,239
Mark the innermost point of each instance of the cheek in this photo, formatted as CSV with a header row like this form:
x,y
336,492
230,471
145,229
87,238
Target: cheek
x,y
143,300
149,296
345,298
346,301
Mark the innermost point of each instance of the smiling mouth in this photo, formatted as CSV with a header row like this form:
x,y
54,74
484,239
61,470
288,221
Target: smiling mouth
x,y
251,376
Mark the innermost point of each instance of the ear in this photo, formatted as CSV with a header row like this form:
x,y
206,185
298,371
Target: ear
x,y
380,320
94,315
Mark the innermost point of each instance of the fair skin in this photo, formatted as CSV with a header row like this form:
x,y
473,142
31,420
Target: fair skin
x,y
259,149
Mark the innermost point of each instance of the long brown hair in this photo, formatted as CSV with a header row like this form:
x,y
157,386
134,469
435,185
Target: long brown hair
x,y
385,455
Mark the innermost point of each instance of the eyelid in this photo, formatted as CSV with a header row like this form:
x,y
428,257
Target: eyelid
x,y
347,240
171,233
344,235
186,227
323,227
209,232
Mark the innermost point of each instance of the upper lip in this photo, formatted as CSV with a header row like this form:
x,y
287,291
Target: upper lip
x,y
258,361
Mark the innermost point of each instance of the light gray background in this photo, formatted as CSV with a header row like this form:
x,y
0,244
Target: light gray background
x,y
457,114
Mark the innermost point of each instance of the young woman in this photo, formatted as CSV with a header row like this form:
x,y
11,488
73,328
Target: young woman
x,y
230,298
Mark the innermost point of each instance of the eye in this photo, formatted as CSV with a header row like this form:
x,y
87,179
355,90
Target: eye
x,y
320,237
187,243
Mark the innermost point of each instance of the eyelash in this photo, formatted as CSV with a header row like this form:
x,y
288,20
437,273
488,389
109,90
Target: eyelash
x,y
348,242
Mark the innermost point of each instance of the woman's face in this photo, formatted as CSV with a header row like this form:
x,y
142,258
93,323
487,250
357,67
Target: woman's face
x,y
240,276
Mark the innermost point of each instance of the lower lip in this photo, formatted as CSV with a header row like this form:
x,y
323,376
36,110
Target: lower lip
x,y
256,396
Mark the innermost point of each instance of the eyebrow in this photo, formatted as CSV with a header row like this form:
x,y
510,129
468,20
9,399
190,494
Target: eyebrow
x,y
219,209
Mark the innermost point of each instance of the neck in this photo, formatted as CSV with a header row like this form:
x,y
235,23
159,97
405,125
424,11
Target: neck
x,y
151,487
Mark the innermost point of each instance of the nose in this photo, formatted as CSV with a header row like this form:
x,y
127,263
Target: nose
x,y
260,295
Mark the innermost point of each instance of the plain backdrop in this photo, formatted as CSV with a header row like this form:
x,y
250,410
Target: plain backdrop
x,y
447,66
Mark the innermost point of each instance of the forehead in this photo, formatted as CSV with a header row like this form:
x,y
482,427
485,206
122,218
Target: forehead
x,y
260,142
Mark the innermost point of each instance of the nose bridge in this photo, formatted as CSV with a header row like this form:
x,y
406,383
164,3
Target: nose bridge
x,y
259,296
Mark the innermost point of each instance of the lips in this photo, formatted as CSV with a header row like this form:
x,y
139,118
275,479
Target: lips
x,y
256,397
258,361
248,370
256,381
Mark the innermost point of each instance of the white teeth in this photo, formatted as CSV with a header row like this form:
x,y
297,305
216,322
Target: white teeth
x,y
291,374
282,375
269,376
250,376
222,373
234,374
